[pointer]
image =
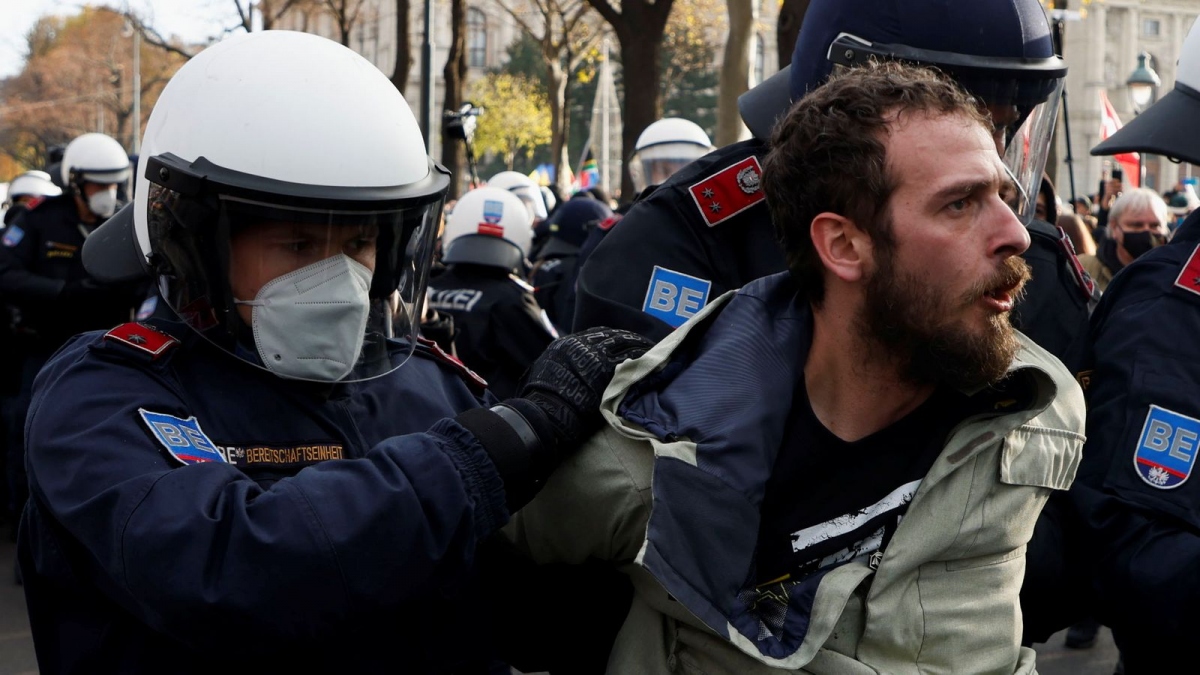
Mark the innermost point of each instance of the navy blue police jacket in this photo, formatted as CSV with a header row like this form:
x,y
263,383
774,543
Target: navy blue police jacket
x,y
499,328
1133,487
40,253
193,514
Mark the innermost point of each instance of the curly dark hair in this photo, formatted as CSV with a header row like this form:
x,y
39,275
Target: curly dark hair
x,y
828,154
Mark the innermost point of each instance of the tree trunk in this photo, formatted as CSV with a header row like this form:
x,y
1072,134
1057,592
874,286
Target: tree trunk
x,y
556,85
735,72
791,17
403,48
639,27
454,155
638,110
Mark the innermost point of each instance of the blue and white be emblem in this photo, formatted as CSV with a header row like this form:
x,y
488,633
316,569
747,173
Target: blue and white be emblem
x,y
493,211
674,297
1166,450
182,438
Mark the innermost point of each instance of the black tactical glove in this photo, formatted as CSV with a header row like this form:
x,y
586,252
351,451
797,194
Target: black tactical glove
x,y
567,381
558,406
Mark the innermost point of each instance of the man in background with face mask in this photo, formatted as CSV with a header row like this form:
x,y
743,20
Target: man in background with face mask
x,y
42,274
1137,222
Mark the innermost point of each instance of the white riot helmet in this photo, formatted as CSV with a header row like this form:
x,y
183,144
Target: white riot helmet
x,y
665,147
31,184
96,158
286,200
489,226
524,187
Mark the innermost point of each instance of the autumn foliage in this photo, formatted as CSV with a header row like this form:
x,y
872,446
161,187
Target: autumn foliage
x,y
78,77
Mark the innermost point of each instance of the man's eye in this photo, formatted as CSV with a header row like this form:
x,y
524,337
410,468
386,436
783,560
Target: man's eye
x,y
959,205
296,245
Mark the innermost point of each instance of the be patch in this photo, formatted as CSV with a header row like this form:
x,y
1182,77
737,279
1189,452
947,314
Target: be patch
x,y
1166,449
182,438
674,297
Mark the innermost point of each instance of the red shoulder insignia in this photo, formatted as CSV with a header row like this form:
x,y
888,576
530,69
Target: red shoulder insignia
x,y
608,222
479,384
728,192
142,337
1085,281
1189,276
34,203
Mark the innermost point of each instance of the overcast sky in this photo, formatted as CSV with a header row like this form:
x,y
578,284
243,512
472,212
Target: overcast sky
x,y
192,20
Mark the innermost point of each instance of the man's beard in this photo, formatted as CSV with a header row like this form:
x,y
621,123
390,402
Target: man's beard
x,y
909,321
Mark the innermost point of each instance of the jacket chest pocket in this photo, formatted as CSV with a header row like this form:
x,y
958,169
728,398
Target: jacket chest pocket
x,y
1000,517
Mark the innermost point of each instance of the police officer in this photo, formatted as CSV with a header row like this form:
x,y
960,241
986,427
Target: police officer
x,y
29,187
555,269
706,230
1133,486
259,486
43,278
530,193
499,329
664,147
40,267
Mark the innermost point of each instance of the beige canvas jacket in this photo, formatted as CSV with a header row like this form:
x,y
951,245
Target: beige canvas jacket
x,y
944,598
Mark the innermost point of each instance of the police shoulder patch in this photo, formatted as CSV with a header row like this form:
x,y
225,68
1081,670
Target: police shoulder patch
x,y
728,192
472,379
1166,448
143,338
12,236
182,438
674,297
1189,276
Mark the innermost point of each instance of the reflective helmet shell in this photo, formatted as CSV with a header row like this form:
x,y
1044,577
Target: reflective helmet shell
x,y
33,183
524,187
673,130
287,129
989,29
489,226
94,158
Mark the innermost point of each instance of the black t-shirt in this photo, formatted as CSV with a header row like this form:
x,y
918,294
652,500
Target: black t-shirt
x,y
829,501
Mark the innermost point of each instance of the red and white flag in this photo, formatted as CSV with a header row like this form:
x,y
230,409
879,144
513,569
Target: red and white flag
x,y
1109,124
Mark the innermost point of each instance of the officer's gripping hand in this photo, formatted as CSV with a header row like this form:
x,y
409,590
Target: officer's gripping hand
x,y
567,381
557,407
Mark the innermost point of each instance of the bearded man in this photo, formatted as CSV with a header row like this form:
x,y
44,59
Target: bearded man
x,y
837,469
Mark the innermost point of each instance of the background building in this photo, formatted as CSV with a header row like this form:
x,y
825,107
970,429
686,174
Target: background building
x,y
1101,47
490,31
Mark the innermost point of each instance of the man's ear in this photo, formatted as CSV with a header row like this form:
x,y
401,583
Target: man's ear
x,y
844,249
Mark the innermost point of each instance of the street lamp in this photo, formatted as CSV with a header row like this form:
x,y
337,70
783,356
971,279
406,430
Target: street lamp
x,y
1143,86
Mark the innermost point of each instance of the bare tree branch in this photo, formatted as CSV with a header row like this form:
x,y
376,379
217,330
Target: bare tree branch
x,y
244,15
521,22
152,36
606,10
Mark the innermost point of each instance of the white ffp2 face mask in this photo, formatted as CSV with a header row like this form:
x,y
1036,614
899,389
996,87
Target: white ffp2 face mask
x,y
309,324
104,202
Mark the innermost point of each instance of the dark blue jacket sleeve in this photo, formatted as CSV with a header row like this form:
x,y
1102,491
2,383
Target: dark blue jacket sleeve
x,y
17,280
201,551
1143,539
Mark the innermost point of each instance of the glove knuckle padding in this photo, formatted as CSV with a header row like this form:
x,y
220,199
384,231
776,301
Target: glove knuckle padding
x,y
570,377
